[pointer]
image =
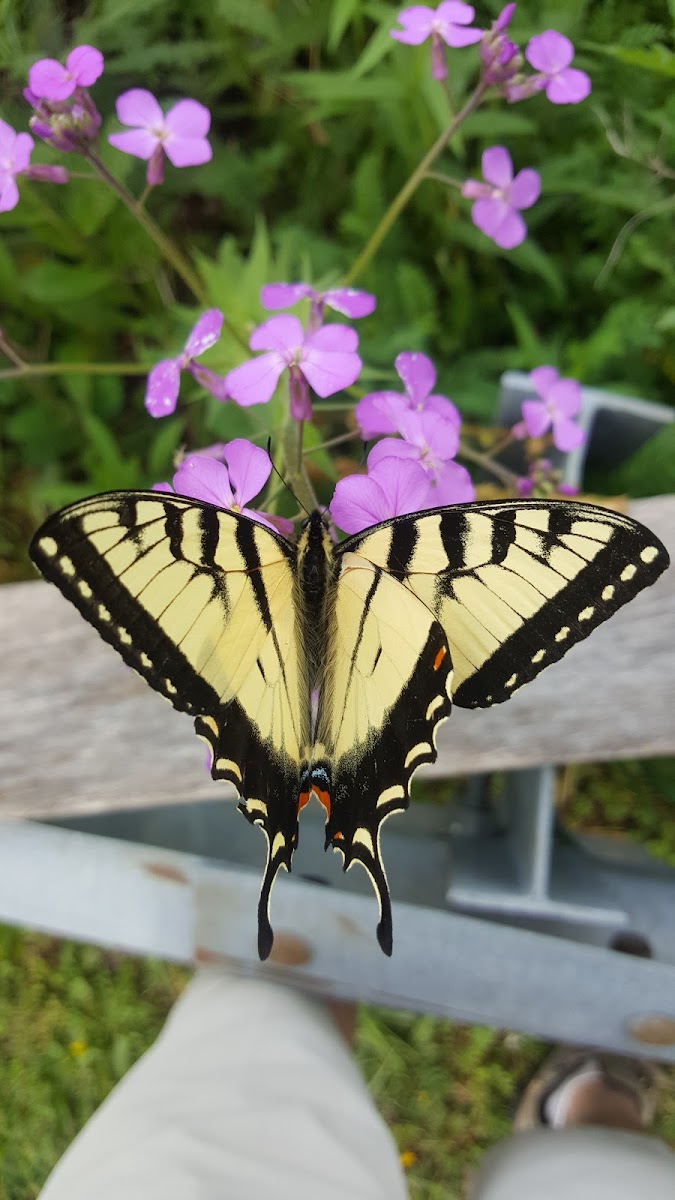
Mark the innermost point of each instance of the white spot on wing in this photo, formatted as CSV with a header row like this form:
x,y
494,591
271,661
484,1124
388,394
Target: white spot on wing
x,y
417,751
396,792
649,554
48,546
628,572
536,658
608,592
586,613
362,836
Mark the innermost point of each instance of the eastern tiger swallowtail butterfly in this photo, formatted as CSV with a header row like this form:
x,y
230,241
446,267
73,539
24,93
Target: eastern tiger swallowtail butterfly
x,y
237,626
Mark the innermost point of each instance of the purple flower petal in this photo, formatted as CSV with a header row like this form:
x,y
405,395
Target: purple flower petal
x,y
566,434
205,333
23,147
340,338
525,189
549,52
453,15
187,152
249,469
282,333
204,478
565,396
49,80
497,166
162,388
185,143
542,379
9,193
536,418
350,302
328,359
7,140
188,119
391,489
215,384
569,87
284,295
392,448
418,375
430,433
472,189
376,413
504,19
139,107
254,381
417,22
85,63
138,142
453,485
445,408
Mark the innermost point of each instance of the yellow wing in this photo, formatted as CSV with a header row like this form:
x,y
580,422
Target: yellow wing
x,y
200,602
514,584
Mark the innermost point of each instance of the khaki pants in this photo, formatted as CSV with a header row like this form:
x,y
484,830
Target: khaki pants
x,y
250,1093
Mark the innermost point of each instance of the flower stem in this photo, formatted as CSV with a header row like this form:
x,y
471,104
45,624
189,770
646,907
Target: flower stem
x,y
166,247
508,478
26,370
297,478
410,186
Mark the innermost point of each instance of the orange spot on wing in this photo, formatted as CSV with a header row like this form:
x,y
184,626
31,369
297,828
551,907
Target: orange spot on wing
x,y
439,657
338,837
323,798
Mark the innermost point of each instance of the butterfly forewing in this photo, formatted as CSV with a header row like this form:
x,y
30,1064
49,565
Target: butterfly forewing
x,y
201,603
515,584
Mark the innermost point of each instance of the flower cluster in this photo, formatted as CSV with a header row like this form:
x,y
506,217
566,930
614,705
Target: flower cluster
x,y
412,463
65,116
501,197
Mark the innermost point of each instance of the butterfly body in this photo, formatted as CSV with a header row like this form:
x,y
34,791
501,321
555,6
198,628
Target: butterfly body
x,y
322,670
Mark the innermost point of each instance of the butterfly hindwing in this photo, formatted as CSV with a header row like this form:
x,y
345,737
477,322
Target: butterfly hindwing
x,y
199,601
514,584
385,691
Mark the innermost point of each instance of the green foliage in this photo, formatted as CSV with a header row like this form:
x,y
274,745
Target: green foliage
x,y
318,119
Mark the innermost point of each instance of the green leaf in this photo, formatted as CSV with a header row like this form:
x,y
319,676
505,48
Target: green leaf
x,y
379,45
341,14
494,123
651,470
527,336
659,60
55,283
163,447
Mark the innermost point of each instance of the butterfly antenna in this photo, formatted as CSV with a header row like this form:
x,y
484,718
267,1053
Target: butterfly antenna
x,y
280,476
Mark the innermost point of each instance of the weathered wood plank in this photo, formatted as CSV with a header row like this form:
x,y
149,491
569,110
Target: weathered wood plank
x,y
80,732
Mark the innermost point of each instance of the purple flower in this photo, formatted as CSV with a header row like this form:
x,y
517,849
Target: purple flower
x,y
430,440
446,24
180,135
559,404
543,479
391,488
326,360
498,200
68,125
348,301
551,53
500,56
49,80
163,384
239,473
377,412
15,152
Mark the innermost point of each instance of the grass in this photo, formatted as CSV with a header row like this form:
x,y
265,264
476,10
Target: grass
x,y
74,1018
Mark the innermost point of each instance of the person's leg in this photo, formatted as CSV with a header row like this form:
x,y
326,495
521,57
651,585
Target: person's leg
x,y
249,1092
581,1137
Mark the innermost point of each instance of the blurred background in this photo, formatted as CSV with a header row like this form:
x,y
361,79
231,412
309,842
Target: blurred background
x,y
318,117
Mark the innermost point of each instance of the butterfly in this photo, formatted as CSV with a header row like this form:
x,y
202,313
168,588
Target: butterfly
x,y
315,669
